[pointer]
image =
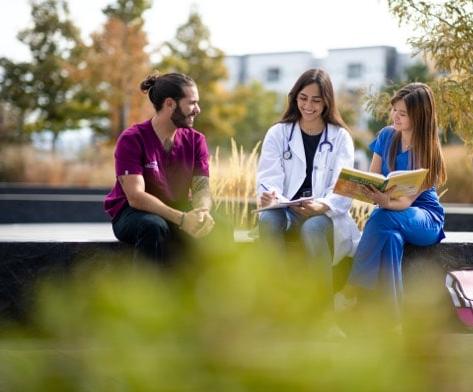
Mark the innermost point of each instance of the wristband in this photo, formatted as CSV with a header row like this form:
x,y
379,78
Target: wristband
x,y
182,220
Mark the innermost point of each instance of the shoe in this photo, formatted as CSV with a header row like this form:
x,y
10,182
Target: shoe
x,y
342,303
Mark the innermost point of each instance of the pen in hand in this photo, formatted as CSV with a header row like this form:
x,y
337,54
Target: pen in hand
x,y
269,190
265,187
270,197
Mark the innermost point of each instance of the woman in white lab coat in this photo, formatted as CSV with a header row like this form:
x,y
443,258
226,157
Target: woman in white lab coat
x,y
302,155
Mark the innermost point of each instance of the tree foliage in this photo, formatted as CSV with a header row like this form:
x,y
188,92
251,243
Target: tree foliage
x,y
16,94
191,52
117,62
378,104
128,11
444,36
43,91
260,109
347,102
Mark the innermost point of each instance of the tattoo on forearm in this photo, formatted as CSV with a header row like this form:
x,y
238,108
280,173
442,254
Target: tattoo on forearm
x,y
199,183
200,188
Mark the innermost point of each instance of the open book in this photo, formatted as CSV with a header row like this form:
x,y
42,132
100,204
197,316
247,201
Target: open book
x,y
284,203
351,182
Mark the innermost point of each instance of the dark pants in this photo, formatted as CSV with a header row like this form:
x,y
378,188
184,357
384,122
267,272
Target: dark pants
x,y
153,237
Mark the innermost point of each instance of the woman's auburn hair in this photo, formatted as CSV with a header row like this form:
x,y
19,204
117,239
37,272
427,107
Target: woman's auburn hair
x,y
426,151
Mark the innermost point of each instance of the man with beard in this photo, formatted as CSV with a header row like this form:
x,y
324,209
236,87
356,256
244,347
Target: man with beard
x,y
162,171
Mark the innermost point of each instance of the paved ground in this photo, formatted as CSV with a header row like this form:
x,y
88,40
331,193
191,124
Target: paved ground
x,y
102,232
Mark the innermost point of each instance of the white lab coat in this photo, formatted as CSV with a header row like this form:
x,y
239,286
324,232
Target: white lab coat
x,y
286,176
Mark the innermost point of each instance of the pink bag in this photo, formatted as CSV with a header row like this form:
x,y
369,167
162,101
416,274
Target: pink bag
x,y
460,287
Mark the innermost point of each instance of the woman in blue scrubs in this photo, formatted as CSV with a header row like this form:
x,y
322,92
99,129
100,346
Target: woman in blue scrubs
x,y
412,142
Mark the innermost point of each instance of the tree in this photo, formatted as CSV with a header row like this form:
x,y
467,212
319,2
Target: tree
x,y
261,108
348,104
128,11
16,94
117,62
51,100
445,38
192,53
378,103
418,72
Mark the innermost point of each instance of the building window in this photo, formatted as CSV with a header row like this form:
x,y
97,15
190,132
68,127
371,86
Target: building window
x,y
273,74
354,70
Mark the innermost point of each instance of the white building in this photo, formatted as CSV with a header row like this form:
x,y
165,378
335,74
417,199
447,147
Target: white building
x,y
276,71
365,68
353,69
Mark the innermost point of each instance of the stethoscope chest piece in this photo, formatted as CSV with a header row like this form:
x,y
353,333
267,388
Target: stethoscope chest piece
x,y
287,155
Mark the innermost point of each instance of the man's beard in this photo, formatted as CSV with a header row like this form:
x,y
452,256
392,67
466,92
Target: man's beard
x,y
179,119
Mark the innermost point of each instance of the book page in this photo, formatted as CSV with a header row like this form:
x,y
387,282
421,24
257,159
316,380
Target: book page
x,y
401,172
408,182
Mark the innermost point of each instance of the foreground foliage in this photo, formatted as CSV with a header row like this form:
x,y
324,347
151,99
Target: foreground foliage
x,y
229,318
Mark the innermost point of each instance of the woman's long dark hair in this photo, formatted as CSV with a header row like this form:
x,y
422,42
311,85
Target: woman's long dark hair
x,y
321,78
426,151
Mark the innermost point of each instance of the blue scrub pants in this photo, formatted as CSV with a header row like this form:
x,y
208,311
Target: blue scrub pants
x,y
316,235
378,258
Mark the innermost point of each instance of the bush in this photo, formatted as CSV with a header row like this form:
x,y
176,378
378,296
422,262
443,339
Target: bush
x,y
229,319
23,163
460,175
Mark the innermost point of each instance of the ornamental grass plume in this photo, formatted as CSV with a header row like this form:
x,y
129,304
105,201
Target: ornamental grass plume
x,y
232,182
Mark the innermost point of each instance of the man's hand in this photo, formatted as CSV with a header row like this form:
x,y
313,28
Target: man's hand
x,y
198,222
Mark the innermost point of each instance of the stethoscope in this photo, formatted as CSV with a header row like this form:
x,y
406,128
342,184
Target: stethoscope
x,y
287,153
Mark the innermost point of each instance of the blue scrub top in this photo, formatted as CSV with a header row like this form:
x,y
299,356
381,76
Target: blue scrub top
x,y
427,200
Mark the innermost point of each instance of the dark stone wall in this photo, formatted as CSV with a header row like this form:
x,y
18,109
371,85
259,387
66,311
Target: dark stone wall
x,y
57,211
39,204
459,222
23,264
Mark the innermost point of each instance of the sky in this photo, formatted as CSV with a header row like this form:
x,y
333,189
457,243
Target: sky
x,y
239,27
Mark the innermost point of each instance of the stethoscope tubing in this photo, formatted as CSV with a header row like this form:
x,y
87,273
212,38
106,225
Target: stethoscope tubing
x,y
287,153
